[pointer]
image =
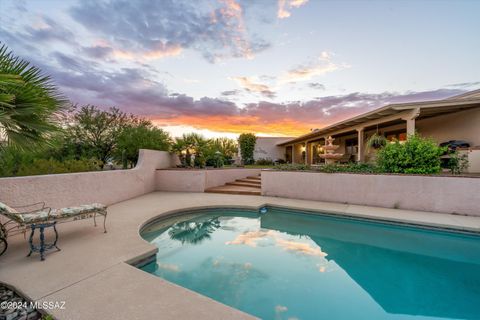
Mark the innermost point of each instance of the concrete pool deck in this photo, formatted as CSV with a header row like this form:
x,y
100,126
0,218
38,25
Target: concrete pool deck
x,y
92,272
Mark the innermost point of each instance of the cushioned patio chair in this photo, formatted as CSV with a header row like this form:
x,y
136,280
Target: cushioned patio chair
x,y
19,220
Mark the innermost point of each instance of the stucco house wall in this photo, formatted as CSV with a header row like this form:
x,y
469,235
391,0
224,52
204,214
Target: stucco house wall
x,y
463,125
266,148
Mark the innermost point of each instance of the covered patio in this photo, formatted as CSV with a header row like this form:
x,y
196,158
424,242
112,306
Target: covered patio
x,y
451,119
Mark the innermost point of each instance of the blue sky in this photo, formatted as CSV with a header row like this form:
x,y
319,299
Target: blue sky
x,y
275,67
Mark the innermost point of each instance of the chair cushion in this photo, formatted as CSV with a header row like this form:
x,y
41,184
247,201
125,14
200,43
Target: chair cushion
x,y
6,209
75,211
57,214
9,212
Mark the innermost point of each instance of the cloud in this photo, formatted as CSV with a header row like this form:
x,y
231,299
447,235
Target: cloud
x,y
285,5
252,239
251,85
155,29
135,90
46,29
316,85
230,93
293,119
98,51
322,65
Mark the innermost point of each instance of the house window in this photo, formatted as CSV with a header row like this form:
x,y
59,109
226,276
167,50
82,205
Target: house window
x,y
351,146
399,135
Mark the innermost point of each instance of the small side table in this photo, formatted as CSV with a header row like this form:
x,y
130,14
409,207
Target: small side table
x,y
43,247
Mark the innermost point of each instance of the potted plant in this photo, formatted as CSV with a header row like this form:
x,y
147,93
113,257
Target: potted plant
x,y
377,141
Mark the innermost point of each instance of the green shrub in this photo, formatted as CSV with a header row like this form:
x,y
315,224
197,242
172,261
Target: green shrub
x,y
51,166
457,163
247,141
292,167
332,168
264,162
350,167
417,155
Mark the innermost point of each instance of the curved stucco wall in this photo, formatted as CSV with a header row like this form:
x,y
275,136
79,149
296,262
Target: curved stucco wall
x,y
458,195
107,187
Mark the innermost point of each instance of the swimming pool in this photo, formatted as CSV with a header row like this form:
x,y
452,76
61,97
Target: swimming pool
x,y
286,264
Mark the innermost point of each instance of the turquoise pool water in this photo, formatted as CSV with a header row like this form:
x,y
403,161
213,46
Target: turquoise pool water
x,y
289,265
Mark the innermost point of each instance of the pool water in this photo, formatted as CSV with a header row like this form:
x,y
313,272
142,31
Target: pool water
x,y
287,265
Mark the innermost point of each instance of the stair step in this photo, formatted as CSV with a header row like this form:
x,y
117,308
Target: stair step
x,y
244,184
235,190
254,177
258,182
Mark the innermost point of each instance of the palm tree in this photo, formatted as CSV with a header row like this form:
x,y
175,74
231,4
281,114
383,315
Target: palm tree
x,y
193,232
228,147
29,102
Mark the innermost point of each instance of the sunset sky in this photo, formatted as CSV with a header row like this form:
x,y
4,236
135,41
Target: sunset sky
x,y
222,67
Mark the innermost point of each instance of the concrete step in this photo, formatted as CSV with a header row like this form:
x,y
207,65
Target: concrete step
x,y
244,184
255,177
228,189
252,181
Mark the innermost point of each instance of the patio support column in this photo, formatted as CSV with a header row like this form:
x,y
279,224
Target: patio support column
x,y
410,127
307,152
410,119
361,146
293,153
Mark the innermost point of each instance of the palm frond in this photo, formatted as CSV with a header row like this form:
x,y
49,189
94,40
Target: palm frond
x,y
29,101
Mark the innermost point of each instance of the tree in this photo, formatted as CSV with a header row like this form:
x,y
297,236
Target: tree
x,y
228,147
95,132
247,142
191,144
29,102
144,136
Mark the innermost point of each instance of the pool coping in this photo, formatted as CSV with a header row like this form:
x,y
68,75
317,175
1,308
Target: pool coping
x,y
93,272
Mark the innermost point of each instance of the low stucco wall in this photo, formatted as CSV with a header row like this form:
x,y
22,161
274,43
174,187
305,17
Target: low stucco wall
x,y
107,187
199,180
457,195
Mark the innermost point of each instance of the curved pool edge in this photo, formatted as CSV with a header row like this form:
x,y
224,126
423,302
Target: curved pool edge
x,y
352,212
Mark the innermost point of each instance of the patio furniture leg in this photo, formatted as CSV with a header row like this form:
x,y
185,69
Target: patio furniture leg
x,y
30,240
94,219
3,239
42,242
3,245
56,236
104,221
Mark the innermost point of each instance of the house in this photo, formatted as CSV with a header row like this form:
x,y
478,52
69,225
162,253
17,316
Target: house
x,y
267,148
455,118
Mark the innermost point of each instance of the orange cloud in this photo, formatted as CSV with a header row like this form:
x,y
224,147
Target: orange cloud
x,y
165,51
285,5
161,50
323,64
250,84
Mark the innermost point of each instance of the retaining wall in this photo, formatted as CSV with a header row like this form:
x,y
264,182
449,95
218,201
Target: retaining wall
x,y
458,195
70,189
199,180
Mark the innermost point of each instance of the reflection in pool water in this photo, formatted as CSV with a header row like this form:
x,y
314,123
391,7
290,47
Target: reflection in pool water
x,y
286,265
